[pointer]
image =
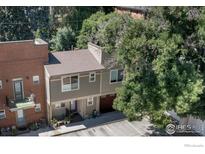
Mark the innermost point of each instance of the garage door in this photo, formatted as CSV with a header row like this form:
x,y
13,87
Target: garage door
x,y
106,103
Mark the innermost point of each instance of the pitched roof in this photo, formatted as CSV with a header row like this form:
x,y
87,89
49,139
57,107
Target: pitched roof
x,y
69,62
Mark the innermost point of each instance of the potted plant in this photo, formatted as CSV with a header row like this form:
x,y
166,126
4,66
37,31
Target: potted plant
x,y
54,123
13,131
67,120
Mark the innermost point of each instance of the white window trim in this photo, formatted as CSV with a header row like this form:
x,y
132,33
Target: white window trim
x,y
1,84
38,106
117,76
4,114
57,106
92,100
37,80
62,77
90,76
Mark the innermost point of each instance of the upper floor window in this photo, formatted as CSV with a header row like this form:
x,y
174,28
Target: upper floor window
x,y
2,114
116,75
1,85
70,83
36,79
92,77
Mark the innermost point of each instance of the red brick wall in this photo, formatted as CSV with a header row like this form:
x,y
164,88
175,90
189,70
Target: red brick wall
x,y
22,60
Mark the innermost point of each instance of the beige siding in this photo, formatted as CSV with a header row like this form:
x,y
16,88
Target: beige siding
x,y
60,112
86,89
82,108
47,85
87,111
106,86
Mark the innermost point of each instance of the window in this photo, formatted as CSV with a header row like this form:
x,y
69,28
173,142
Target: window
x,y
116,75
38,108
70,83
2,114
36,79
66,84
1,86
120,75
92,77
74,82
62,104
90,101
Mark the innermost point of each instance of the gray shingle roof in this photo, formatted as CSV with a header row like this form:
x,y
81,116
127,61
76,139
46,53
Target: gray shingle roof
x,y
69,62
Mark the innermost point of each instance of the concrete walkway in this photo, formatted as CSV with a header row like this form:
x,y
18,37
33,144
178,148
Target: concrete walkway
x,y
63,130
87,123
117,128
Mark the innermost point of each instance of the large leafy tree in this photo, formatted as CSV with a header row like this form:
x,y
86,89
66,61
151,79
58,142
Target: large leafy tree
x,y
72,17
20,23
163,57
63,40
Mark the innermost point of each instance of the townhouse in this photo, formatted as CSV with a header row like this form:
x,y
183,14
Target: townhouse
x,y
35,84
22,84
81,81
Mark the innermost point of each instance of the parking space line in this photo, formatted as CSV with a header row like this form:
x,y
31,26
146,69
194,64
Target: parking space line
x,y
134,128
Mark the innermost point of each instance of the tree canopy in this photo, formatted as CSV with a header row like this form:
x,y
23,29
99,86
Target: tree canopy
x,y
23,23
63,40
163,59
20,23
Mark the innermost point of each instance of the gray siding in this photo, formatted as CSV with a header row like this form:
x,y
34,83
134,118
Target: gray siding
x,y
106,86
86,88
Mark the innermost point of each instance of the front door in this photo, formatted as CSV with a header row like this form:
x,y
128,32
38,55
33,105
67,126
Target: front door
x,y
73,105
18,89
20,118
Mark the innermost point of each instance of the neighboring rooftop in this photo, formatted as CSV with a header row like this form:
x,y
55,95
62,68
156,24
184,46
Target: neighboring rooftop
x,y
35,41
69,62
135,8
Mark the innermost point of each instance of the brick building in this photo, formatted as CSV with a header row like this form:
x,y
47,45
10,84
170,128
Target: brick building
x,y
22,84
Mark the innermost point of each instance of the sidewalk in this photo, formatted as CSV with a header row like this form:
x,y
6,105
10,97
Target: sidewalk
x,y
102,119
63,130
87,123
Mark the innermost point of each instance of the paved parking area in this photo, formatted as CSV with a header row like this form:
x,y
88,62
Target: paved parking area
x,y
118,128
108,124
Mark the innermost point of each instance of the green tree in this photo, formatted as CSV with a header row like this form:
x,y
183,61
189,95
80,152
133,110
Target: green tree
x,y
63,40
20,23
89,29
167,77
163,57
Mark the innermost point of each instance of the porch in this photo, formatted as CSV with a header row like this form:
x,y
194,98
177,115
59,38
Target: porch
x,y
75,110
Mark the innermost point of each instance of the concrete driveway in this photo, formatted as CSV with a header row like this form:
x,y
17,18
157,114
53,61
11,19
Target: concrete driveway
x,y
117,128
